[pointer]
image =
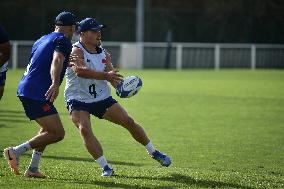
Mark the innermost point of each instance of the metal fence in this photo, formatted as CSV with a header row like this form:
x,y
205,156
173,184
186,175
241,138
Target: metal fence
x,y
182,55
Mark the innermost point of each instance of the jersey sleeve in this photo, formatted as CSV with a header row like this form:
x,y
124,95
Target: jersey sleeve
x,y
4,37
63,45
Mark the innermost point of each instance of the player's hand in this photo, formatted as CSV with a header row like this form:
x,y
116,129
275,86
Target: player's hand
x,y
114,78
75,60
108,56
52,92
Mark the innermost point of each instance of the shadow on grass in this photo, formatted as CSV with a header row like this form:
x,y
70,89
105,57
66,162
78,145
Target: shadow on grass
x,y
13,116
12,112
175,178
14,120
107,183
10,115
88,160
189,181
3,125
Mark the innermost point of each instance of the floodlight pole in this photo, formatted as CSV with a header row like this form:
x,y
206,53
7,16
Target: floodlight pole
x,y
140,32
139,20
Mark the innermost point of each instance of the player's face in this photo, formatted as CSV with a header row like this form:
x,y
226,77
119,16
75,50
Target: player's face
x,y
71,30
94,37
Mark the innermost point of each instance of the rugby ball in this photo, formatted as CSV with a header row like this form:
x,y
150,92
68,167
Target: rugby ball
x,y
129,87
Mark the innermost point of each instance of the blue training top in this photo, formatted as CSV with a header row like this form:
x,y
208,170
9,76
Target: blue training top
x,y
36,79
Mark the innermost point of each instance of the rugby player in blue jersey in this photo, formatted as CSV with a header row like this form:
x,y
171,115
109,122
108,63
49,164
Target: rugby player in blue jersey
x,y
38,89
5,51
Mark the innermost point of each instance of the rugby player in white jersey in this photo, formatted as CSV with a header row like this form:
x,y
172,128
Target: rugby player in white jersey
x,y
87,92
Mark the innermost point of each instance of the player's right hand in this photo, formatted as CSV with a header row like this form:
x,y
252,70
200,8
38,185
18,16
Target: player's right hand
x,y
52,92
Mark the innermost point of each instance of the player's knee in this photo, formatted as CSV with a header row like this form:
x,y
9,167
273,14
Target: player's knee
x,y
59,135
75,120
84,129
42,130
128,122
78,121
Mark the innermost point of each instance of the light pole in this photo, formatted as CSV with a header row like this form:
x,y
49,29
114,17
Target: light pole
x,y
140,32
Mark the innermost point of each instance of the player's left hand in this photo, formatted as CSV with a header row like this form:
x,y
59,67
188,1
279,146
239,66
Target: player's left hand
x,y
108,56
114,78
52,92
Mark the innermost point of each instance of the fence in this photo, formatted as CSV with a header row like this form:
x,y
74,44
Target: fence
x,y
182,55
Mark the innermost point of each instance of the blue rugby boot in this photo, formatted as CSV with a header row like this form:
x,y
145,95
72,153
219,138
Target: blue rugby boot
x,y
163,159
107,171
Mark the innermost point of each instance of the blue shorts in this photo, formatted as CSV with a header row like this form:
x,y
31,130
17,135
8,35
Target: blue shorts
x,y
97,109
2,78
36,109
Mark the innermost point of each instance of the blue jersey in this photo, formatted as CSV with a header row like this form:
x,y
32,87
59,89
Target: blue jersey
x,y
37,79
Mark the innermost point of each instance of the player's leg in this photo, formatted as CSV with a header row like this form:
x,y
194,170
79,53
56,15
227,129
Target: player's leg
x,y
52,131
36,155
1,91
2,83
33,168
117,114
81,119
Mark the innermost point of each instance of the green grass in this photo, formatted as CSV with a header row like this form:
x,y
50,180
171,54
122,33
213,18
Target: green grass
x,y
222,129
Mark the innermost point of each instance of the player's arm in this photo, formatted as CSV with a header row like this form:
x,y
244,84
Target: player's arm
x,y
81,70
55,71
110,68
62,50
5,52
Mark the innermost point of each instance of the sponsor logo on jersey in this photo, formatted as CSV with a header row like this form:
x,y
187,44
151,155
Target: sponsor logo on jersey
x,y
46,108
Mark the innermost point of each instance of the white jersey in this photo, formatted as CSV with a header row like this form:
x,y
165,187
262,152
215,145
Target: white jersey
x,y
87,90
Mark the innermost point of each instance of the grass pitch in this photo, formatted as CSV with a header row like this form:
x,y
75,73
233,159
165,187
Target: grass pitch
x,y
222,129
